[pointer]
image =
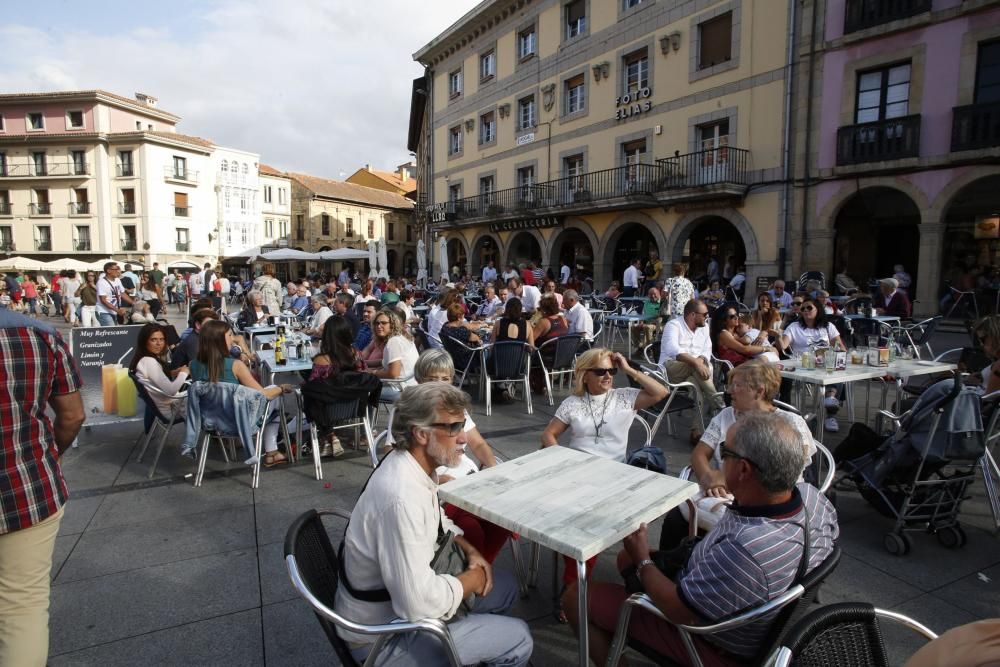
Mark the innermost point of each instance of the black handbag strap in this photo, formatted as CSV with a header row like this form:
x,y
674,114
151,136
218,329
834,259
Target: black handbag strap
x,y
375,594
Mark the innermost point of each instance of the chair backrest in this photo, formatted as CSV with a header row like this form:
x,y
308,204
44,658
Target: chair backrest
x,y
313,565
565,351
651,353
812,275
510,360
925,329
838,634
792,612
844,327
863,327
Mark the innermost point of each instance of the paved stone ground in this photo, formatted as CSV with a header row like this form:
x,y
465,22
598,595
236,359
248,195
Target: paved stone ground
x,y
158,572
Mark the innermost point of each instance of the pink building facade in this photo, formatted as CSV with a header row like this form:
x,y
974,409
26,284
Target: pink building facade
x,y
898,149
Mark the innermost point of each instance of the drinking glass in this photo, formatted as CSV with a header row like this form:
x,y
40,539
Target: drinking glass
x,y
873,341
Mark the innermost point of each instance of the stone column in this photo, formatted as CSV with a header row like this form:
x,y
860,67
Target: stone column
x,y
929,276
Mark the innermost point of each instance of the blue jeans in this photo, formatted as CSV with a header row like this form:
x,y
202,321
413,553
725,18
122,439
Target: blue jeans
x,y
483,637
107,319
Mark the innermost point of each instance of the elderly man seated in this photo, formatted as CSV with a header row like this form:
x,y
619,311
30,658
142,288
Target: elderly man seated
x,y
753,555
577,316
396,528
892,300
644,333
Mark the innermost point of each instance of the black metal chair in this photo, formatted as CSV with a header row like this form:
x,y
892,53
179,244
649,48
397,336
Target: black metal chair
x,y
919,334
812,275
846,633
683,396
862,327
459,351
156,419
313,567
509,362
562,351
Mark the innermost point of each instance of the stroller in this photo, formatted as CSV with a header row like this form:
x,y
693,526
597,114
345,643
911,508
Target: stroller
x,y
921,474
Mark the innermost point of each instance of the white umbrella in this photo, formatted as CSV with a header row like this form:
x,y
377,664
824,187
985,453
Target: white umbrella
x,y
372,260
342,254
22,264
287,255
66,264
421,261
443,258
383,260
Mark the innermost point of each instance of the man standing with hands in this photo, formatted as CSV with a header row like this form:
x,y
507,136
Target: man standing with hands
x,y
110,296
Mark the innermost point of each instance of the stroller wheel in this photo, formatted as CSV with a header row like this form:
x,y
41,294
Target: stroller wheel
x,y
952,537
897,545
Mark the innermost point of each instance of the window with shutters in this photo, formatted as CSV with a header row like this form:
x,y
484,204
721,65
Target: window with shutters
x,y
636,65
715,41
526,112
181,208
488,128
487,65
575,94
455,84
883,93
576,18
527,43
988,73
349,227
324,221
455,141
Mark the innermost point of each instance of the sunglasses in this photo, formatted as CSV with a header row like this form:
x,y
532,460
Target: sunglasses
x,y
807,309
453,428
796,303
726,453
731,316
601,372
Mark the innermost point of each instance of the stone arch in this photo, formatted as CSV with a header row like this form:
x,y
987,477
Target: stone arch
x,y
682,232
945,198
464,247
475,263
510,246
556,242
605,250
827,217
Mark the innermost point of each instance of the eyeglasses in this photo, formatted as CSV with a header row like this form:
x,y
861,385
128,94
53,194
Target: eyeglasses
x,y
453,428
601,372
726,453
702,313
379,323
796,303
807,309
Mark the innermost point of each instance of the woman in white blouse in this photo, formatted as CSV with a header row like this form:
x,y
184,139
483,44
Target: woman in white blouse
x,y
150,365
399,356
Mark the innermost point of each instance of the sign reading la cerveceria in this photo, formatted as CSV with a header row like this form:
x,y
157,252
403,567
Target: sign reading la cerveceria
x,y
633,104
529,223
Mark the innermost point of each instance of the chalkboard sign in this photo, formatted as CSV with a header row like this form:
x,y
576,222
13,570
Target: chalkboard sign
x,y
764,283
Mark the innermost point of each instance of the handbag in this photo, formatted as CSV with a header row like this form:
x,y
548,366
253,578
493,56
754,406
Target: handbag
x,y
650,458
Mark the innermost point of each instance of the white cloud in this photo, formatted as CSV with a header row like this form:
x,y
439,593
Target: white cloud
x,y
315,87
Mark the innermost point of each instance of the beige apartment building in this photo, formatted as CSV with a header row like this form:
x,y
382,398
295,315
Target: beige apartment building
x,y
329,214
401,181
593,132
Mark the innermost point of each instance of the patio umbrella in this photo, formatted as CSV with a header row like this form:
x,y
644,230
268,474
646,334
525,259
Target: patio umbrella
x,y
22,264
342,254
66,264
383,260
287,255
372,260
443,259
421,261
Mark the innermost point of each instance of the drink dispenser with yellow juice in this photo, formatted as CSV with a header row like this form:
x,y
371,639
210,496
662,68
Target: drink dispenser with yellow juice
x,y
109,387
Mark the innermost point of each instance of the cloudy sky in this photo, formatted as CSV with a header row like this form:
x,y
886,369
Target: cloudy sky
x,y
316,86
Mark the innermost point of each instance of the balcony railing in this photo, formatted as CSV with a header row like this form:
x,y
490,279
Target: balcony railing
x,y
129,245
679,177
890,139
82,245
975,126
125,170
861,14
181,211
41,209
185,175
51,168
6,245
126,208
79,208
43,244
5,208
183,246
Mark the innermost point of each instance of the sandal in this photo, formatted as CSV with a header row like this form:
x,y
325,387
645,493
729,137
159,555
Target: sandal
x,y
271,460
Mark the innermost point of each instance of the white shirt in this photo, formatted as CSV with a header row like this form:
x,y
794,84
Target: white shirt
x,y
390,543
401,349
510,273
612,412
738,280
564,274
407,311
530,296
717,429
436,317
785,300
678,339
802,339
320,317
489,274
632,276
113,290
490,308
580,320
149,372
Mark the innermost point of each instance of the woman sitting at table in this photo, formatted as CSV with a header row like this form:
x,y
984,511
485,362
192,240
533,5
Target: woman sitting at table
x,y
730,340
512,325
254,312
367,293
752,386
398,357
488,538
336,355
807,334
825,304
765,320
214,364
152,367
713,296
457,329
373,352
550,288
552,324
598,416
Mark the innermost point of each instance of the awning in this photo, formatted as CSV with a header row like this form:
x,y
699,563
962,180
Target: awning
x,y
23,264
183,264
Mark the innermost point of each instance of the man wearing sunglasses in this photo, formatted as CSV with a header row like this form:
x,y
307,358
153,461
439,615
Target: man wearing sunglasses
x,y
392,538
755,553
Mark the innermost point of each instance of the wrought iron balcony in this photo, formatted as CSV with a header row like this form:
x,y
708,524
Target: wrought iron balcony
x,y
79,208
5,208
41,209
861,14
889,139
7,245
129,245
183,175
82,245
126,208
50,168
706,174
182,211
125,170
43,244
975,126
183,246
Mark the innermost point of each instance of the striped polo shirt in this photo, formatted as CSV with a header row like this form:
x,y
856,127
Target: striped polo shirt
x,y
750,558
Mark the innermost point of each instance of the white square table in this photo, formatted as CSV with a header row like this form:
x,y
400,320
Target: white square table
x,y
629,320
574,503
266,358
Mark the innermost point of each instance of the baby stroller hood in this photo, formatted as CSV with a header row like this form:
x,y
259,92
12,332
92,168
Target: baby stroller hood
x,y
959,434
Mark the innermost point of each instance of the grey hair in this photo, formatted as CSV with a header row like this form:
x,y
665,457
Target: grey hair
x,y
774,445
433,361
417,408
253,294
571,294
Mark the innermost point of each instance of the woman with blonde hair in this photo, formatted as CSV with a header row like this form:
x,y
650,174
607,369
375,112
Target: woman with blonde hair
x,y
765,319
399,355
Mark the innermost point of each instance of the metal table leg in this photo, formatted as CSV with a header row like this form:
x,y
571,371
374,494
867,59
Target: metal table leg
x,y
581,579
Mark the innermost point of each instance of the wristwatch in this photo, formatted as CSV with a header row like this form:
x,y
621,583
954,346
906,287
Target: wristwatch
x,y
643,563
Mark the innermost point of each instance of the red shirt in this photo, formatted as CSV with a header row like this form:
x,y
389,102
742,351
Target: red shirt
x,y
35,364
527,277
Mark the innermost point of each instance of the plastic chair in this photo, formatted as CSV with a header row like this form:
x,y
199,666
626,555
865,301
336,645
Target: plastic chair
x,y
510,362
846,633
786,608
313,567
563,349
159,421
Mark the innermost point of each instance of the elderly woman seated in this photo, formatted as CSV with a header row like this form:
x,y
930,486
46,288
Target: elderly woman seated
x,y
752,386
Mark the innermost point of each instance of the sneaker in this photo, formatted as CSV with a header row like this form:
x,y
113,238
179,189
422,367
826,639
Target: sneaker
x,y
831,425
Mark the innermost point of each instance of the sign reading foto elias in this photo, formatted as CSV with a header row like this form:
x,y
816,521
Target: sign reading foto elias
x,y
633,103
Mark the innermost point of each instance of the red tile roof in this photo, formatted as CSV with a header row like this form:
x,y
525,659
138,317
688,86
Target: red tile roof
x,y
268,170
128,101
331,189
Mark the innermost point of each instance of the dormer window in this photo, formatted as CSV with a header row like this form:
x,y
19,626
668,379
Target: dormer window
x,y
36,121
